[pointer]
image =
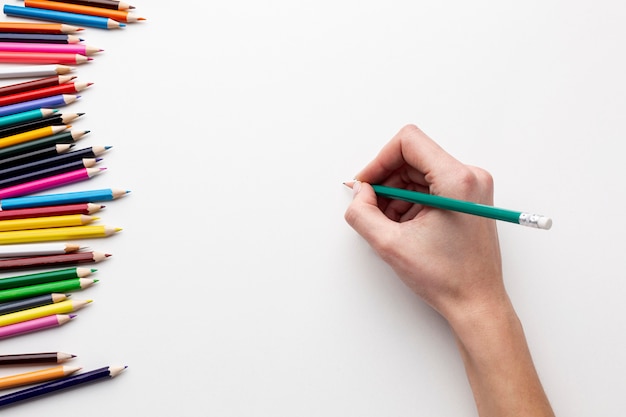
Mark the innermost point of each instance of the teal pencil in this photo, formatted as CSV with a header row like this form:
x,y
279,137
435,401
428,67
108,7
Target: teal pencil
x,y
525,219
26,116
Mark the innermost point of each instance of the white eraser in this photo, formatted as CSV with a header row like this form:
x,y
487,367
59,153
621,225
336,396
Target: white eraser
x,y
544,222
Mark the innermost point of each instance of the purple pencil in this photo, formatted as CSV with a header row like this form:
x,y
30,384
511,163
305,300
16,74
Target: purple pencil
x,y
33,325
46,102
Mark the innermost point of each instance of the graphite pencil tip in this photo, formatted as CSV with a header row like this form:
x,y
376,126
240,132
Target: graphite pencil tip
x,y
107,255
71,317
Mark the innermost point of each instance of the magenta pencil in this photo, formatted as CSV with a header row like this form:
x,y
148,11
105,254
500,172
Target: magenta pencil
x,y
54,181
34,325
54,48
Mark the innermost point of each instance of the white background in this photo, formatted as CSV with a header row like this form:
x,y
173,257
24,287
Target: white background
x,y
237,289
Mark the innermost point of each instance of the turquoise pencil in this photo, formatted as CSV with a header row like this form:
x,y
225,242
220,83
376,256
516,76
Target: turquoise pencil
x,y
26,116
525,219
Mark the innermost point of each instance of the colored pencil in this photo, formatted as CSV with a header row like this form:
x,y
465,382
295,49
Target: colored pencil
x,y
39,38
57,119
29,326
27,71
47,183
118,15
60,210
36,154
37,58
31,302
57,233
52,48
35,84
92,152
36,377
105,4
45,277
36,249
22,27
49,222
65,88
525,219
12,155
63,307
75,380
36,358
62,17
52,261
89,196
26,116
69,285
46,172
33,134
52,102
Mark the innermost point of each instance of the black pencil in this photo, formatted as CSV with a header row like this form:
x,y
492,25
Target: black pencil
x,y
53,161
36,155
31,302
35,358
39,38
57,119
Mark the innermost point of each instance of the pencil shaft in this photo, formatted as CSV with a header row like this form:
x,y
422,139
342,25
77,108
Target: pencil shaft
x,y
461,206
34,358
38,38
29,326
60,210
49,81
62,17
51,102
55,233
49,91
105,4
26,116
118,15
37,223
36,377
89,196
35,249
49,261
10,57
12,306
56,120
34,70
45,277
45,172
34,134
27,27
53,48
55,161
64,307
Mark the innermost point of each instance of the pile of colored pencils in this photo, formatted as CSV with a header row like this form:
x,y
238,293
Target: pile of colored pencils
x,y
42,228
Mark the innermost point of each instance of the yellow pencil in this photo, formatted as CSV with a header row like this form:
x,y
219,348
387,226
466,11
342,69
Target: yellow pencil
x,y
62,307
31,135
35,377
46,222
56,233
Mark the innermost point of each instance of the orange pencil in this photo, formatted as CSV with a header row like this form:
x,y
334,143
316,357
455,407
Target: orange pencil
x,y
35,377
119,15
20,27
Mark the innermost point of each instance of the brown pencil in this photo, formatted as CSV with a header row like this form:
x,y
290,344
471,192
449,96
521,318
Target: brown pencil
x,y
61,210
51,261
35,358
35,84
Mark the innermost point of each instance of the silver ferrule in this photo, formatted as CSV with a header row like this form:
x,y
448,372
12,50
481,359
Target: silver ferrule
x,y
535,220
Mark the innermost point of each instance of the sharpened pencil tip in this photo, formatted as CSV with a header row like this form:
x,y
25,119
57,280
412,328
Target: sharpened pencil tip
x,y
71,317
107,255
118,229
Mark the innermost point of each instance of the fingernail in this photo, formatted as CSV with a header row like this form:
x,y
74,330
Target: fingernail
x,y
356,187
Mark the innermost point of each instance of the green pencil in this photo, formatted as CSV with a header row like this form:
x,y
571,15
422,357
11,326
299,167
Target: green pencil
x,y
49,287
525,219
44,277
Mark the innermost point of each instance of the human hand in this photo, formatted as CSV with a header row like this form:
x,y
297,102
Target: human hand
x,y
452,260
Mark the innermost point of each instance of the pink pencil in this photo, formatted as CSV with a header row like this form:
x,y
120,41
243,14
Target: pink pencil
x,y
33,325
9,57
55,48
49,182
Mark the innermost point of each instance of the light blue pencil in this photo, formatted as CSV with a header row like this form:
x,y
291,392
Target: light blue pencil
x,y
26,116
44,200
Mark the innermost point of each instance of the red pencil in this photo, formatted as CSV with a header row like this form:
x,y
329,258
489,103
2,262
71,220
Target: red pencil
x,y
35,84
61,210
23,27
52,261
42,58
65,88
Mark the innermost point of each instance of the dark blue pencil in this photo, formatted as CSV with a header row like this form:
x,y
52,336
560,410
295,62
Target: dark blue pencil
x,y
39,38
105,373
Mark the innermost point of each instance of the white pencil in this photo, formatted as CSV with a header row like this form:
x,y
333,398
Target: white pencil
x,y
37,249
26,71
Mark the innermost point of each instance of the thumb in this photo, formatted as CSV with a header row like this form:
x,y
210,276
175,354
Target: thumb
x,y
364,215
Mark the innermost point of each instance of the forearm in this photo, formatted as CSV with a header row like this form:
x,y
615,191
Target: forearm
x,y
499,365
